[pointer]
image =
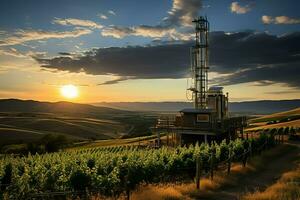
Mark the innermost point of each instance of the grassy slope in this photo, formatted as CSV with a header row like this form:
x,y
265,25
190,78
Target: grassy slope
x,y
13,135
16,129
261,122
77,121
294,123
286,188
115,142
277,116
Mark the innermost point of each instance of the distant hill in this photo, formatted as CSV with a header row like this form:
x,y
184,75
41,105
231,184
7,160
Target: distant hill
x,y
27,120
265,106
254,107
27,106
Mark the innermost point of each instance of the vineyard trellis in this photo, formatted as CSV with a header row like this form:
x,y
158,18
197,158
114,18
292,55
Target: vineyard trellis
x,y
114,171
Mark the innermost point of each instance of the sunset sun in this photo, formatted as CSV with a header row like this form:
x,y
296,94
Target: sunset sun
x,y
69,91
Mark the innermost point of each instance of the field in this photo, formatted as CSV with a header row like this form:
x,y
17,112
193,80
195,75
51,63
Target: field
x,y
27,121
101,165
27,128
117,171
274,175
141,141
278,120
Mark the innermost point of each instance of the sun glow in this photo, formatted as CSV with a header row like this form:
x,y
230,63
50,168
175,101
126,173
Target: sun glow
x,y
69,91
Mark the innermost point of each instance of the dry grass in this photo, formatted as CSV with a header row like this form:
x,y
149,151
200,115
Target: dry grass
x,y
286,188
158,192
188,190
281,114
260,126
222,182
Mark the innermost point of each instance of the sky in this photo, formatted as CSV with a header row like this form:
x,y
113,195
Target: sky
x,y
138,50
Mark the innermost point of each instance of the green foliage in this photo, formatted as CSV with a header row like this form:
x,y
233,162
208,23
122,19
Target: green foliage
x,y
80,180
52,142
47,144
113,171
7,176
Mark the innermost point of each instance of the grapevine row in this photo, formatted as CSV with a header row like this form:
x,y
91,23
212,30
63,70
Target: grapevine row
x,y
112,171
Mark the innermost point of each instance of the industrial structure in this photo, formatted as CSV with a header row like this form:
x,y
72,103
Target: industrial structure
x,y
209,119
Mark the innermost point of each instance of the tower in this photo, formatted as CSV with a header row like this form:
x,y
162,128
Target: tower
x,y
209,119
199,63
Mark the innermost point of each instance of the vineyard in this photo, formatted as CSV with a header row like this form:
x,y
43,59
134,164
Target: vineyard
x,y
115,171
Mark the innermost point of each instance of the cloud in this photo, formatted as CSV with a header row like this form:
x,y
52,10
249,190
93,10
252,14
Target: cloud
x,y
2,32
267,19
266,75
180,16
12,52
145,31
279,20
65,54
183,12
117,31
117,80
238,9
23,36
77,22
112,12
285,92
244,56
18,54
102,16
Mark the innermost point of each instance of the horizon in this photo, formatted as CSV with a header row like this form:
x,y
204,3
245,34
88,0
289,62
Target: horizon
x,y
133,51
111,102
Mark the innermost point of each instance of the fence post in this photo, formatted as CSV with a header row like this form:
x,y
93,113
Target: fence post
x,y
212,166
168,138
229,161
251,150
244,159
242,133
198,172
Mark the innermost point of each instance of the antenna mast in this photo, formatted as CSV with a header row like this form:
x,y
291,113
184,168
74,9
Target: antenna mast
x,y
199,63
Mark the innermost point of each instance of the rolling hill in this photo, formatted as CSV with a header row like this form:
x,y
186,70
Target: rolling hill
x,y
280,115
290,118
30,106
27,120
251,107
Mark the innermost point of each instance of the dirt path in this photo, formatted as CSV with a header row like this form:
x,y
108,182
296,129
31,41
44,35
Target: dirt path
x,y
267,172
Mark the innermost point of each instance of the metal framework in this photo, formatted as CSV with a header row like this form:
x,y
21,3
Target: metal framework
x,y
199,63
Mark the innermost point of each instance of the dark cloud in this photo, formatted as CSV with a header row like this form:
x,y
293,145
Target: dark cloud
x,y
117,80
64,53
180,16
165,61
247,56
287,73
285,92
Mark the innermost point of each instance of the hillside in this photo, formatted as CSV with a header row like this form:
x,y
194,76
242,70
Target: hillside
x,y
30,106
280,115
253,107
290,118
25,121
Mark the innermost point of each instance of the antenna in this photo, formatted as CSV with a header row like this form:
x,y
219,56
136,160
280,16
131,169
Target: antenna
x,y
199,63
